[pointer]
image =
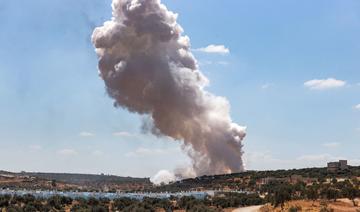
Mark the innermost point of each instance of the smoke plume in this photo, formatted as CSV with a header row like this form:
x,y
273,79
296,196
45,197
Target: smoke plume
x,y
163,176
148,68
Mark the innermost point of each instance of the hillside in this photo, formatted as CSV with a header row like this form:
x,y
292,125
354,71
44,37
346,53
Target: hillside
x,y
82,179
250,180
72,181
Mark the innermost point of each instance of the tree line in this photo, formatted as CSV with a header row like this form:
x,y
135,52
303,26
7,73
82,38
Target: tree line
x,y
29,203
278,193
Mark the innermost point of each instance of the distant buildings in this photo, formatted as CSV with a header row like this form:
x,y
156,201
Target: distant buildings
x,y
337,166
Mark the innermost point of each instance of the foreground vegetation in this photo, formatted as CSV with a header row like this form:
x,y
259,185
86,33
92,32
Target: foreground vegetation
x,y
278,193
275,189
29,203
275,194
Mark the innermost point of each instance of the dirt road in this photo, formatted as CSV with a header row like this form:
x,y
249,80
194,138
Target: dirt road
x,y
248,209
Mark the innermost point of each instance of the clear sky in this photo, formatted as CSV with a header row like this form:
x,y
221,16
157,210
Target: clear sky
x,y
290,69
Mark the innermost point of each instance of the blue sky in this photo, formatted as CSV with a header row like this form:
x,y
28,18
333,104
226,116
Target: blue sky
x,y
292,77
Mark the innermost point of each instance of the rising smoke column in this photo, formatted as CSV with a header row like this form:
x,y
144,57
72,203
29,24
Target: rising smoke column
x,y
148,69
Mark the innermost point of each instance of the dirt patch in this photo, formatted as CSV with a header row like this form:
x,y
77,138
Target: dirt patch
x,y
343,205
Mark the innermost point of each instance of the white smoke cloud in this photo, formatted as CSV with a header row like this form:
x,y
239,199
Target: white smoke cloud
x,y
163,176
148,68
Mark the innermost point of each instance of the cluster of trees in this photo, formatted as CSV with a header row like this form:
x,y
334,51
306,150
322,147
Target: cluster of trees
x,y
146,205
278,193
249,178
227,200
28,203
319,173
220,201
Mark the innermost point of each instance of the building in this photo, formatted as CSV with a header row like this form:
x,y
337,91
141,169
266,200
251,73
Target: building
x,y
337,166
343,164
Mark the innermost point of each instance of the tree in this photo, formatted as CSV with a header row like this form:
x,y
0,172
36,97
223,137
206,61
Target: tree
x,y
300,188
312,193
295,208
334,180
139,207
252,182
281,195
14,209
16,200
356,182
79,208
121,203
104,200
93,201
98,208
330,193
351,193
186,202
53,183
29,208
55,202
4,200
321,180
28,198
66,200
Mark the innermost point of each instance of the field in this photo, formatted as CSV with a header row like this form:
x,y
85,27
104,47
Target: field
x,y
341,205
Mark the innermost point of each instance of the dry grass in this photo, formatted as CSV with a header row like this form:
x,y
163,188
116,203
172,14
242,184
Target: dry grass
x,y
342,205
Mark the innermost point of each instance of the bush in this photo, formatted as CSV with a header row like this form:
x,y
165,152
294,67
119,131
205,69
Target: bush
x,y
295,208
99,208
281,195
187,202
93,201
66,200
28,198
121,203
30,208
14,209
79,208
104,200
4,200
326,209
139,207
55,202
16,200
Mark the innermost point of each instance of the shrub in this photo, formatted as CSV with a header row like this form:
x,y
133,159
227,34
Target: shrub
x,y
295,208
4,200
122,203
